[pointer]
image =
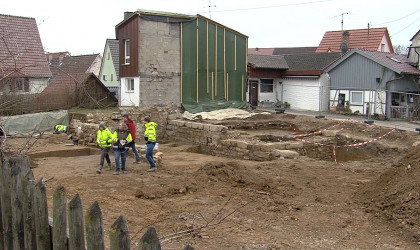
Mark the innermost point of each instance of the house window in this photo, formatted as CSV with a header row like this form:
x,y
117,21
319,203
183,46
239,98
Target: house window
x,y
104,77
127,51
129,85
382,47
266,86
356,97
109,55
20,84
112,77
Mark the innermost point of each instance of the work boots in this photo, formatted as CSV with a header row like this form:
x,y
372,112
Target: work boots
x,y
99,171
109,166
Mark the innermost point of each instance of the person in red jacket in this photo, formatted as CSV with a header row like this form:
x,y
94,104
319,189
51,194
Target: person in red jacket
x,y
132,129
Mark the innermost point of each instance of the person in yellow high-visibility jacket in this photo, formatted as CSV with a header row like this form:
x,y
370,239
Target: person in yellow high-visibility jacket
x,y
59,128
150,137
104,140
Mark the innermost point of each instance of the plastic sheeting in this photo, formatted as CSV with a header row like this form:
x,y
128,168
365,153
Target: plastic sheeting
x,y
221,114
32,124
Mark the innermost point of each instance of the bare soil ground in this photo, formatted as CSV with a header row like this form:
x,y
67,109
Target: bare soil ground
x,y
370,202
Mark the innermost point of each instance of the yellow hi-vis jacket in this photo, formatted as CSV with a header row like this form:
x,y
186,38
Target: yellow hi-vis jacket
x,y
150,132
104,138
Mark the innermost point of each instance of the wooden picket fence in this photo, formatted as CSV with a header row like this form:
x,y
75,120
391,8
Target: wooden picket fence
x,y
26,225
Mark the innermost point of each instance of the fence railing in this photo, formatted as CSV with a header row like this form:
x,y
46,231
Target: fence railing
x,y
25,223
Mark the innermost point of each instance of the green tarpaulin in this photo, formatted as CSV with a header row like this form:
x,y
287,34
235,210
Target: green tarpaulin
x,y
214,71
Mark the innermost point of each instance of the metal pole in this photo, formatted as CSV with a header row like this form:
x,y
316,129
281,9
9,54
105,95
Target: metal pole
x,y
320,102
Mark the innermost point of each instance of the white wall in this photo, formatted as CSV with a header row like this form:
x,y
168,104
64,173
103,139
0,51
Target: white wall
x,y
130,98
37,85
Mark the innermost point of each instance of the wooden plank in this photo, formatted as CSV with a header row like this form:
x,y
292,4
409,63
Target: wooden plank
x,y
43,234
94,228
76,230
59,230
16,196
28,186
149,240
119,237
6,205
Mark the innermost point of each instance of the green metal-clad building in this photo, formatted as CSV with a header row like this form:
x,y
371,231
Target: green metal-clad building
x,y
183,60
214,66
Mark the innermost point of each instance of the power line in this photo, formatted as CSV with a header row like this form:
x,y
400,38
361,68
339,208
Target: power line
x,y
406,27
397,19
274,6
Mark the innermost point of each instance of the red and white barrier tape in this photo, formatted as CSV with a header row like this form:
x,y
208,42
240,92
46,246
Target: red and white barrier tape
x,y
366,142
317,132
342,146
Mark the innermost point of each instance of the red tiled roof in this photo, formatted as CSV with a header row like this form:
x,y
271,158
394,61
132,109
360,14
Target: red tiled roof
x,y
73,64
368,39
260,51
65,81
21,51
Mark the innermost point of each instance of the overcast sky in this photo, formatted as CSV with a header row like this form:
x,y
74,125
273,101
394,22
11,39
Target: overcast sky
x,y
82,26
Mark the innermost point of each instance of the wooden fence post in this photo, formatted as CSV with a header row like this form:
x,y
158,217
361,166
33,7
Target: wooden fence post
x,y
43,235
28,186
149,240
59,230
119,236
1,219
6,205
94,228
16,195
76,230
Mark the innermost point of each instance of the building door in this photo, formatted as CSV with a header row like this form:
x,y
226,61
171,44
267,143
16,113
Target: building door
x,y
253,93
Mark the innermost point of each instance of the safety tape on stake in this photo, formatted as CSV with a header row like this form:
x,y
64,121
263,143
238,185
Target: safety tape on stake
x,y
317,132
349,145
366,142
343,146
335,157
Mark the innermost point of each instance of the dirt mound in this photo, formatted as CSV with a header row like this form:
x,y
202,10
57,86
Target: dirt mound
x,y
396,194
228,174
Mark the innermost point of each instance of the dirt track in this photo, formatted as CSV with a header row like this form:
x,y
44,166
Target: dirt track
x,y
309,202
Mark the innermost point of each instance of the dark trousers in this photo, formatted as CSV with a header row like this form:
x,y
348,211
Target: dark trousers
x,y
104,155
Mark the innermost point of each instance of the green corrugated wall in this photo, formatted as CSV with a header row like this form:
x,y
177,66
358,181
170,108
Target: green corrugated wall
x,y
213,67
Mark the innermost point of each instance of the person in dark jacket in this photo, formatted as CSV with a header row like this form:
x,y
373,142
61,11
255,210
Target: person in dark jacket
x,y
132,129
122,139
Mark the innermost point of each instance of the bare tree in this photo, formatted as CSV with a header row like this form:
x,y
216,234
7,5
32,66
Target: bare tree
x,y
401,49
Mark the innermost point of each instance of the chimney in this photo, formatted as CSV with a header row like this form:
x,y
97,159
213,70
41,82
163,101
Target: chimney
x,y
344,43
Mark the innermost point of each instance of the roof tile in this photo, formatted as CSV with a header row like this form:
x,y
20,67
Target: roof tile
x,y
21,50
